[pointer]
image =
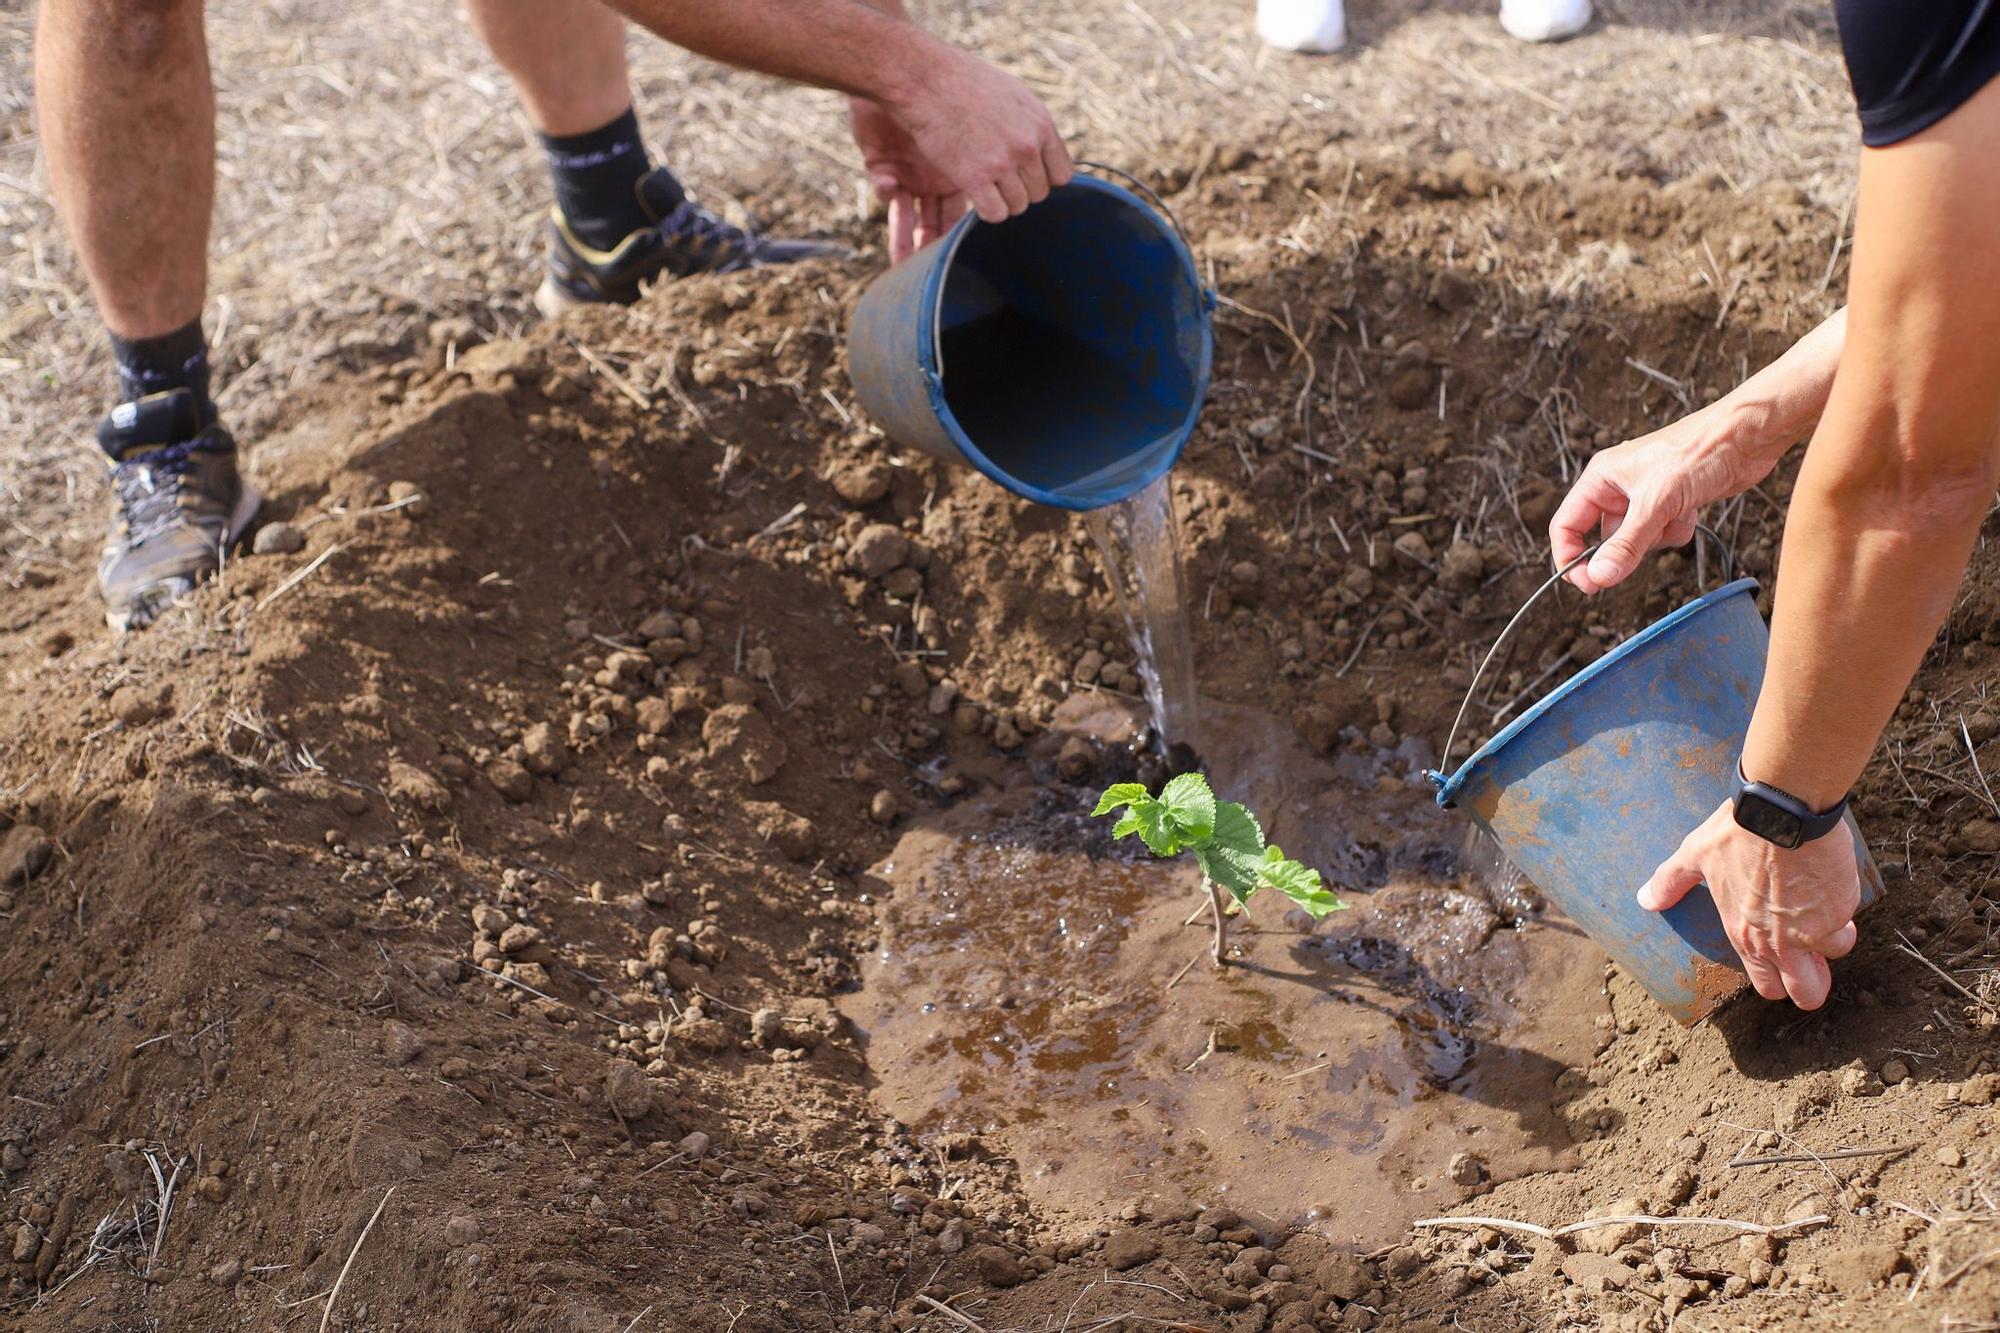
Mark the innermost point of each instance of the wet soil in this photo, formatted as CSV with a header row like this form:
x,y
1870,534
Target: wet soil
x,y
1039,987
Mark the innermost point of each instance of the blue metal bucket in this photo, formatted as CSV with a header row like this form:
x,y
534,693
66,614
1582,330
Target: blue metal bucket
x,y
1064,352
1593,787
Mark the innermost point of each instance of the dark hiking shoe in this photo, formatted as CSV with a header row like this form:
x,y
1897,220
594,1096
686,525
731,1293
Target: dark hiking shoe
x,y
684,239
181,505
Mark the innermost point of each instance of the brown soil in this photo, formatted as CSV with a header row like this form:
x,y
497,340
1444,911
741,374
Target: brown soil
x,y
528,847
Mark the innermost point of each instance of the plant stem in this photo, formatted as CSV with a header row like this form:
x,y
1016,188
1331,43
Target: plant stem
x,y
1215,908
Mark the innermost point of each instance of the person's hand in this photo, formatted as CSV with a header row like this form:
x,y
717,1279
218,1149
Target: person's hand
x,y
1646,493
923,202
963,133
1786,912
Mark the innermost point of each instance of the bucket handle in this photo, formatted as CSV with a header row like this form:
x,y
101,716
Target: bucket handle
x,y
1444,759
1148,191
937,312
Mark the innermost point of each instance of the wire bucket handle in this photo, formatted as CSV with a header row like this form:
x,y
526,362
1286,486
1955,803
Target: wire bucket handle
x,y
1444,759
1147,190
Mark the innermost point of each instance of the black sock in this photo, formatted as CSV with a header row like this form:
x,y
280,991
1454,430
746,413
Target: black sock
x,y
596,178
177,360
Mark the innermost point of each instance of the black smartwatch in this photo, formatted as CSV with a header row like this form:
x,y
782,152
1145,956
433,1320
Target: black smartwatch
x,y
1780,818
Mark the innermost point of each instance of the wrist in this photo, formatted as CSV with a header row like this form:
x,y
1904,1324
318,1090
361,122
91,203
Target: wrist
x,y
901,77
1751,427
1779,817
1764,764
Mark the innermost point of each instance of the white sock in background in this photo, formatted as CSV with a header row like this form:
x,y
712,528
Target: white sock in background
x,y
1544,20
1316,27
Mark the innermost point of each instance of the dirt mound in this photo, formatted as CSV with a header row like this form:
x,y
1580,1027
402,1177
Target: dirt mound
x,y
503,847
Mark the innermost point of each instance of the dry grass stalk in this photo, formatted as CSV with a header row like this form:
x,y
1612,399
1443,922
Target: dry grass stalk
x,y
326,1316
1624,1219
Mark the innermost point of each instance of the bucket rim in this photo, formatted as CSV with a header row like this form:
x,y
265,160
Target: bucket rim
x,y
927,344
1449,787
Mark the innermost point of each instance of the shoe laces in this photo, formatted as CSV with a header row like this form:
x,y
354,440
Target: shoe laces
x,y
149,489
691,223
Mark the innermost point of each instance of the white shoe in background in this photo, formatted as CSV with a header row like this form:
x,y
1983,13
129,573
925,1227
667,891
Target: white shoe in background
x,y
1544,20
1315,27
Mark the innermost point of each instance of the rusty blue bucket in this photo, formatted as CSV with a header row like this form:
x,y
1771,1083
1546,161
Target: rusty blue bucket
x,y
1592,788
1064,353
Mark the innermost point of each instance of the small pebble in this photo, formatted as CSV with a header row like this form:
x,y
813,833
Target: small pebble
x,y
863,483
136,705
277,539
400,1042
627,1091
1412,547
767,1027
415,504
518,938
877,551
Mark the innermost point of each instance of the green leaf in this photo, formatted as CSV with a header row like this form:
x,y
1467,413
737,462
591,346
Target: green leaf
x,y
1237,831
1233,855
1155,829
1224,836
1190,805
1300,883
1120,794
1232,870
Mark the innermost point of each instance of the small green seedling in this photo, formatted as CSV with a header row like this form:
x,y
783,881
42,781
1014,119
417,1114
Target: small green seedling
x,y
1225,839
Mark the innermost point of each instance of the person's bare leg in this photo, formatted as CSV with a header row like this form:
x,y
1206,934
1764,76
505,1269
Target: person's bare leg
x,y
127,117
566,57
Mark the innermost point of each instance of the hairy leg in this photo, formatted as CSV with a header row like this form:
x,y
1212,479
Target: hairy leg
x,y
127,115
566,57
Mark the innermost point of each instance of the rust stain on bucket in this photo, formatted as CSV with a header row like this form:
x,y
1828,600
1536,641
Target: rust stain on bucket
x,y
1712,984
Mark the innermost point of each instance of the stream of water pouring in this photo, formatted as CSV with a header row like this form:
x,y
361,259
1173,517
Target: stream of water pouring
x,y
1139,539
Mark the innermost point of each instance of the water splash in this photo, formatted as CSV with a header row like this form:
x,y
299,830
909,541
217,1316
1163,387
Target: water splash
x,y
1139,540
1488,870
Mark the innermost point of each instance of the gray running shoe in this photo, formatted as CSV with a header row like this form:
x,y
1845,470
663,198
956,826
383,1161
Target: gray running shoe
x,y
684,239
181,504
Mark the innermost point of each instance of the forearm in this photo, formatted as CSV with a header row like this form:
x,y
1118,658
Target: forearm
x,y
864,49
893,8
1779,405
1902,470
1871,566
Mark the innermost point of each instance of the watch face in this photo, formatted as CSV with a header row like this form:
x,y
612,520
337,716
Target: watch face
x,y
1772,823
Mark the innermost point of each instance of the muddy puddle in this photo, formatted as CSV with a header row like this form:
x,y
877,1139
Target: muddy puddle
x,y
1043,988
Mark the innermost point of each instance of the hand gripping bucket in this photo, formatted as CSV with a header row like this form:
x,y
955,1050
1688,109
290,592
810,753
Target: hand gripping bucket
x,y
1064,352
1593,787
